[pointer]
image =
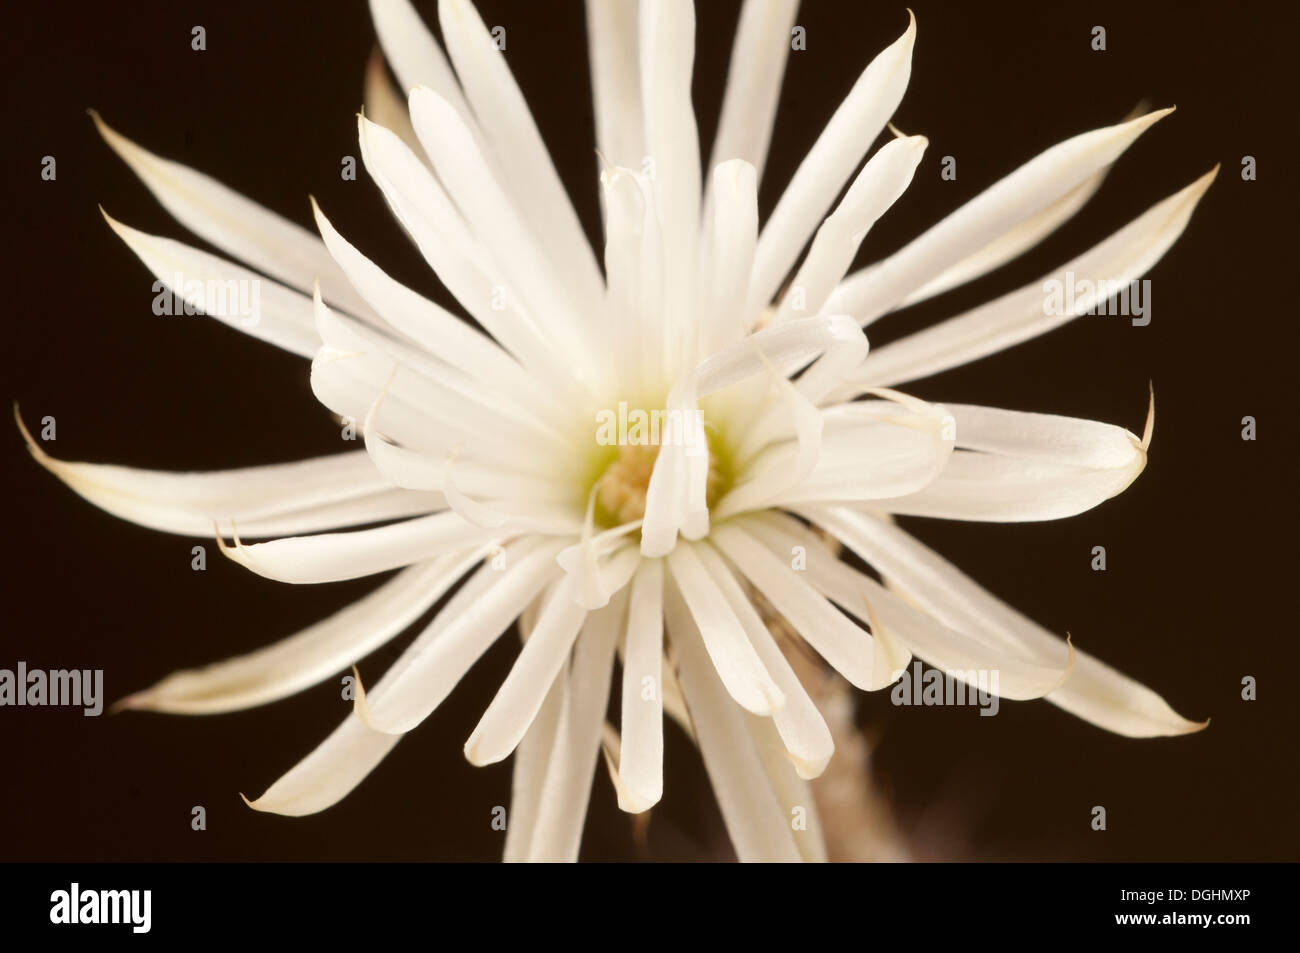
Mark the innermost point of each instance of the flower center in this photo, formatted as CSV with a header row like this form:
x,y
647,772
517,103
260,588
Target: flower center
x,y
623,473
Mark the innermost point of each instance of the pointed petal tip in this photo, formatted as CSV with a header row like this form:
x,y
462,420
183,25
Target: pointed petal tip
x,y
138,701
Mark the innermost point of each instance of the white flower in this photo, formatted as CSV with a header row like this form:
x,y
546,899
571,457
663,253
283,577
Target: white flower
x,y
485,455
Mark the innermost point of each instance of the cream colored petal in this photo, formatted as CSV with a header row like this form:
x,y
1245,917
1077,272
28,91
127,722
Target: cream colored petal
x,y
753,88
386,106
616,81
507,126
667,54
737,663
1008,203
1094,691
303,496
1028,311
755,819
236,225
312,655
572,764
641,754
474,618
822,174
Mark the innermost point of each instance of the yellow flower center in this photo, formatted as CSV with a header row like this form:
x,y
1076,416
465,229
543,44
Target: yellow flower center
x,y
622,478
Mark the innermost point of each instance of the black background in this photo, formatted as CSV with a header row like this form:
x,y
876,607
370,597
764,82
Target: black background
x,y
1200,547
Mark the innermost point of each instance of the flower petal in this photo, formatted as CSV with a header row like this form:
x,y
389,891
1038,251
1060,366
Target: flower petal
x,y
520,696
977,661
1021,466
474,618
616,81
667,54
312,655
303,496
238,226
224,290
738,665
494,218
571,767
641,755
332,557
529,772
882,180
1023,314
386,106
755,820
753,88
517,148
800,727
845,646
1024,193
413,53
1094,691
828,165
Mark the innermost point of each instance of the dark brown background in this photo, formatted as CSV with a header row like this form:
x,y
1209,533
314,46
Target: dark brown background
x,y
1200,548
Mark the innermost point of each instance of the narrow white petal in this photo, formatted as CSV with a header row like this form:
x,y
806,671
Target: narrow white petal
x,y
520,696
413,53
979,662
801,728
235,296
641,755
511,134
753,89
738,665
1094,691
616,81
313,494
1010,244
332,557
1024,313
492,215
667,55
845,646
756,822
236,225
1019,466
634,273
474,618
529,771
828,165
674,501
327,775
386,106
729,240
882,180
1011,201
572,764
309,656
792,790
